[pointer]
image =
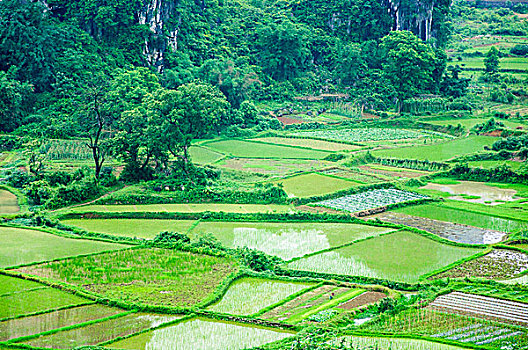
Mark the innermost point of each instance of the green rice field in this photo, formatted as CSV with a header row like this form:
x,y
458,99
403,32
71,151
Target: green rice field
x,y
314,184
469,123
441,151
245,149
443,213
8,203
396,344
10,285
139,228
21,246
400,256
273,166
37,301
205,335
26,326
505,63
488,164
100,332
202,155
147,276
248,295
183,208
286,240
309,143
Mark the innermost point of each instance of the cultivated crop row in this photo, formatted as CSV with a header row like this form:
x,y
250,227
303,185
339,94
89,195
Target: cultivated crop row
x,y
370,200
361,135
487,307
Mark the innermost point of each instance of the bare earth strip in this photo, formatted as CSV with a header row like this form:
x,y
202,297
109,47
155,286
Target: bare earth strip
x,y
448,230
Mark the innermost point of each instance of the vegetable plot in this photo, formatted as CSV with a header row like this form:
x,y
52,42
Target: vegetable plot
x,y
359,135
370,200
482,306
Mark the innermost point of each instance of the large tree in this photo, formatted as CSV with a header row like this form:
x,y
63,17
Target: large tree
x,y
410,65
190,112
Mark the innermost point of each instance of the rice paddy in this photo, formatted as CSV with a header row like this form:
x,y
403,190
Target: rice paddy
x,y
286,240
394,343
441,151
26,326
309,143
205,335
401,256
249,295
139,228
183,208
33,301
24,246
314,184
144,276
8,203
245,149
101,332
444,213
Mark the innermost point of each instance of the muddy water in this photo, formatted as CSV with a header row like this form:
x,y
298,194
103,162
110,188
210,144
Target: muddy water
x,y
448,230
488,194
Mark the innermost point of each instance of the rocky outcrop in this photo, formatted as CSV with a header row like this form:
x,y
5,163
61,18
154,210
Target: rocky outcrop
x,y
413,15
163,20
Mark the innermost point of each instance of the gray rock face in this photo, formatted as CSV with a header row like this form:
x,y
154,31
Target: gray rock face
x,y
415,16
163,20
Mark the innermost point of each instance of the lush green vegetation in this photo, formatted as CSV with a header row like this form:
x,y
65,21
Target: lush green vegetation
x,y
314,184
144,276
205,334
281,175
401,256
286,240
439,152
246,149
140,228
249,295
25,246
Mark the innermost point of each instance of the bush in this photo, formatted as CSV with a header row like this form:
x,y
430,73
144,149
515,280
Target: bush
x,y
167,237
257,260
39,192
18,179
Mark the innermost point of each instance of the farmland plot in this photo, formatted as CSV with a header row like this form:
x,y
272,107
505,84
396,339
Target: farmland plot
x,y
361,135
183,208
441,151
273,166
245,149
394,344
482,306
451,326
475,192
10,285
353,175
203,334
147,276
202,155
309,143
311,304
139,228
20,246
25,326
400,256
444,213
309,185
248,295
385,170
100,332
498,264
8,203
370,200
448,230
286,240
32,301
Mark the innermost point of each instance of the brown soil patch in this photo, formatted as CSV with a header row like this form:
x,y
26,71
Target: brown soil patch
x,y
363,299
366,115
495,133
407,174
319,210
289,121
521,15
